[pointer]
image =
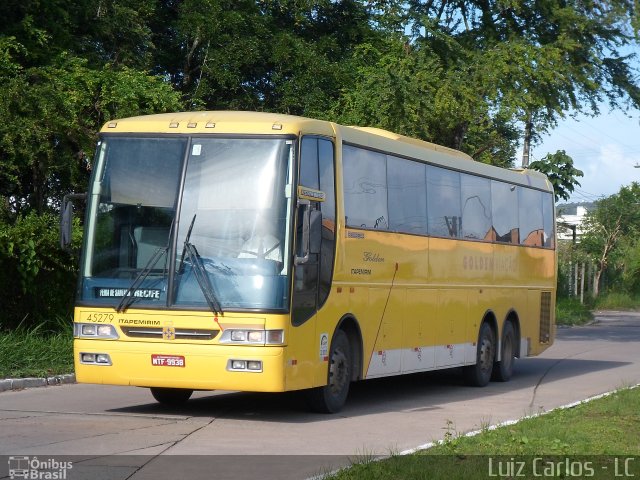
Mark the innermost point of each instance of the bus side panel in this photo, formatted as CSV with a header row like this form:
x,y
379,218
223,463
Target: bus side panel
x,y
302,356
451,326
386,358
419,330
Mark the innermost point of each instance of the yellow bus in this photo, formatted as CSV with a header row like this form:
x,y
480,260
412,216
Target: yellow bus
x,y
265,252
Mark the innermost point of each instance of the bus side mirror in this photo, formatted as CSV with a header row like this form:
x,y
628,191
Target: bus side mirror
x,y
66,218
315,231
311,234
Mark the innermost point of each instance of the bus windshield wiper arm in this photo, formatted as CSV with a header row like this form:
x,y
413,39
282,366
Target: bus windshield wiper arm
x,y
128,297
189,251
202,277
180,268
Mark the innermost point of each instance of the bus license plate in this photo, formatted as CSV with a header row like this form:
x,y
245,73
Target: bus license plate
x,y
167,360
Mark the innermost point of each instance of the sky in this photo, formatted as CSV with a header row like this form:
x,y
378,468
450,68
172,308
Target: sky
x,y
605,148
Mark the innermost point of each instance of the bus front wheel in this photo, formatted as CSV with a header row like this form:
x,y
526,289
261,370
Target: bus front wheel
x,y
479,375
171,397
331,397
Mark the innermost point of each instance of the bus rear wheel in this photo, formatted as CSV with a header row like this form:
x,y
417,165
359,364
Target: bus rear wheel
x,y
171,397
332,397
503,370
479,375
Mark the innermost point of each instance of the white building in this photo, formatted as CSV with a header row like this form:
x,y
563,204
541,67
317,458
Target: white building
x,y
569,221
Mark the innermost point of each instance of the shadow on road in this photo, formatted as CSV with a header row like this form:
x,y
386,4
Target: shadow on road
x,y
407,393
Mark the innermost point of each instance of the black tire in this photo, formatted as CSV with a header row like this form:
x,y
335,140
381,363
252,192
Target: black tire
x,y
479,375
503,370
171,397
332,397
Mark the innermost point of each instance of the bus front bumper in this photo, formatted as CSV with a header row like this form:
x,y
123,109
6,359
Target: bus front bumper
x,y
175,365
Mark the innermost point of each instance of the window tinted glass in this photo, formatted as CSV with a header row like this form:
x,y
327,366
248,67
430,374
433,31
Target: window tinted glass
x,y
365,188
443,200
530,217
328,208
309,163
407,196
547,216
504,209
325,153
476,207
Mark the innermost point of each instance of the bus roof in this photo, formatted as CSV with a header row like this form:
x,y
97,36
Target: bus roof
x,y
219,122
237,122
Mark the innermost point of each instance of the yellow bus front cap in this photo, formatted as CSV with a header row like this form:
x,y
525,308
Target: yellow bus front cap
x,y
197,367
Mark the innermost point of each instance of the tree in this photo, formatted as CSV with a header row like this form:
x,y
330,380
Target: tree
x,y
409,90
274,55
614,218
56,111
558,167
61,81
531,62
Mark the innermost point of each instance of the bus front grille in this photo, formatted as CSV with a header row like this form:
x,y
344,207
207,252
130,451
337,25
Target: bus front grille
x,y
180,333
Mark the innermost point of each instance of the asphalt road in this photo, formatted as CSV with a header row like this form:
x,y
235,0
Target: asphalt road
x,y
119,432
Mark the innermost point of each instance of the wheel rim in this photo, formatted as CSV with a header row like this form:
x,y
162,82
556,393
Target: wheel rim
x,y
338,372
486,353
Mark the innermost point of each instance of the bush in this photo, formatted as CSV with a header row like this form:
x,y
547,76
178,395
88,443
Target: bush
x,y
37,278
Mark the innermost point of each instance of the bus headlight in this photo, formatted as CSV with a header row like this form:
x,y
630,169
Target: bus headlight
x,y
244,366
95,359
94,330
252,337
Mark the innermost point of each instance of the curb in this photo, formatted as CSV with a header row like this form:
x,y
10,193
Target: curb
x,y
22,383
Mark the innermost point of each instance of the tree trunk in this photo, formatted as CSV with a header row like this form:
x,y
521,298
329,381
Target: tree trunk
x,y
458,135
526,148
596,282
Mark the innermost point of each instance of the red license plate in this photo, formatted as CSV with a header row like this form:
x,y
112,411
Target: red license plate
x,y
167,360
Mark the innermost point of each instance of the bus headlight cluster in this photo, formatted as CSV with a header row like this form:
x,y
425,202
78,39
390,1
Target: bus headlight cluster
x,y
95,358
244,365
94,330
252,337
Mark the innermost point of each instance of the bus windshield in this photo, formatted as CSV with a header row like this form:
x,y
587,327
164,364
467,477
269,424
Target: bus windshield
x,y
236,199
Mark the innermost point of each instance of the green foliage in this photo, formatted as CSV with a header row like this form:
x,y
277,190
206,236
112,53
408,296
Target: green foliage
x,y
58,110
37,279
617,301
409,90
39,351
610,230
569,311
558,167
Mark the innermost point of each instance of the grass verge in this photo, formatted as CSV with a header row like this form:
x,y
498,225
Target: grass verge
x,y
593,440
36,352
569,311
617,301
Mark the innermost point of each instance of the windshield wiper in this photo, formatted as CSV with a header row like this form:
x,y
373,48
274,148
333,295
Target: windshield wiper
x,y
189,251
128,298
202,277
186,242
